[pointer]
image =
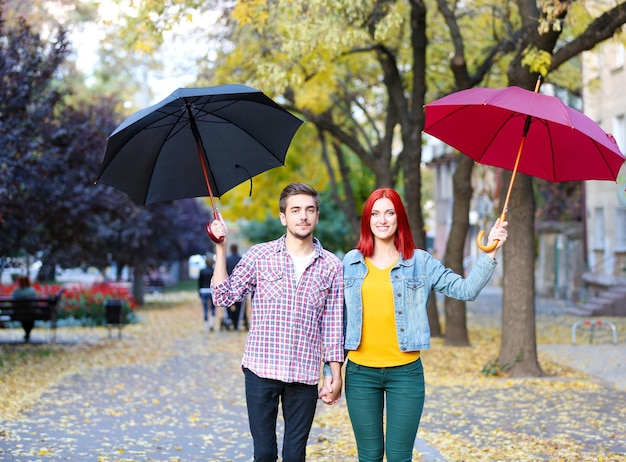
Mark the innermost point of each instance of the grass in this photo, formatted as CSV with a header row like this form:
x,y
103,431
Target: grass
x,y
188,285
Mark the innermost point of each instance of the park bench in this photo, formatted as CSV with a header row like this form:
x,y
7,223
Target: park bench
x,y
29,310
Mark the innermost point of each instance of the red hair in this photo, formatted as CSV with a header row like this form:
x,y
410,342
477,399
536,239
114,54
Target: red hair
x,y
403,239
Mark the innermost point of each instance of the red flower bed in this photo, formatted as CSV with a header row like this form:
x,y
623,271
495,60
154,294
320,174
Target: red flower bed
x,y
85,304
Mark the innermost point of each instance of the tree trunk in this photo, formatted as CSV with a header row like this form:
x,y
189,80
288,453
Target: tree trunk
x,y
433,316
413,199
47,272
139,285
519,348
455,310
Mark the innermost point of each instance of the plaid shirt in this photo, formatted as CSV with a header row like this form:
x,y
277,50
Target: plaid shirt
x,y
294,327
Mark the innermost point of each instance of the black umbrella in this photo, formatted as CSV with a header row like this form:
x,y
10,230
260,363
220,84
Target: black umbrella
x,y
197,142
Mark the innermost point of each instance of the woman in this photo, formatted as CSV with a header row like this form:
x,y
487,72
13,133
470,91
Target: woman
x,y
387,282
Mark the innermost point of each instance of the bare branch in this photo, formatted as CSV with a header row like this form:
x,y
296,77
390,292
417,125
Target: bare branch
x,y
599,30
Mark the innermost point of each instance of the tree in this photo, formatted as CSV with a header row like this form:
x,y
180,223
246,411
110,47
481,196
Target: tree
x,y
460,21
540,32
50,152
531,42
27,65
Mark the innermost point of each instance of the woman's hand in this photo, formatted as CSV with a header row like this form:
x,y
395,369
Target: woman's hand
x,y
331,391
498,233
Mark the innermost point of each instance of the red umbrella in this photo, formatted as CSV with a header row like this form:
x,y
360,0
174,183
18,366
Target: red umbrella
x,y
558,143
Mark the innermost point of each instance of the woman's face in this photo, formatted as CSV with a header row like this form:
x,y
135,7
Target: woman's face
x,y
383,221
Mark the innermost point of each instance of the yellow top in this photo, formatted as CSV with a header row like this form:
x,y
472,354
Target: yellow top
x,y
379,341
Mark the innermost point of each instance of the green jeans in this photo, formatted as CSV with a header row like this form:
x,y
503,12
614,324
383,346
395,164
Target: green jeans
x,y
369,390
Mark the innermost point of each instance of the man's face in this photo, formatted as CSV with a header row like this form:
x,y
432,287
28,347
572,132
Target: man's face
x,y
301,216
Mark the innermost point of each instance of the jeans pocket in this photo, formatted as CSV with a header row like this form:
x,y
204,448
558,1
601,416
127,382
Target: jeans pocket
x,y
352,368
415,369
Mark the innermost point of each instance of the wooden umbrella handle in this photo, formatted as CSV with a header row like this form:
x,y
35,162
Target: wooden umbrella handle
x,y
483,247
481,233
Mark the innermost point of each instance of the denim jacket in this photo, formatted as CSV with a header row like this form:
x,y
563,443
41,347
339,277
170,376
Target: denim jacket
x,y
411,280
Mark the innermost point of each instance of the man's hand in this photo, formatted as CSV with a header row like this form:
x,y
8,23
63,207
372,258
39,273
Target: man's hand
x,y
218,229
331,391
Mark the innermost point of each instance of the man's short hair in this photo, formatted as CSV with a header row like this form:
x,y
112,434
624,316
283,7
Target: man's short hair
x,y
295,189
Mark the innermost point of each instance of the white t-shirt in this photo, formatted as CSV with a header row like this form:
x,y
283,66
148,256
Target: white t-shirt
x,y
300,264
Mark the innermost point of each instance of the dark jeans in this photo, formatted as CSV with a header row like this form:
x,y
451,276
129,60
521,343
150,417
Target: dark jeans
x,y
207,304
234,312
298,403
369,390
27,326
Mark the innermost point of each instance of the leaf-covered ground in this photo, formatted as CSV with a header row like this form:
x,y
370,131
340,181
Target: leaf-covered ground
x,y
168,391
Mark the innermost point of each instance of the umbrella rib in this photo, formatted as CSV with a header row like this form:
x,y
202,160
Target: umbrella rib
x,y
207,164
496,133
169,134
201,109
599,149
547,125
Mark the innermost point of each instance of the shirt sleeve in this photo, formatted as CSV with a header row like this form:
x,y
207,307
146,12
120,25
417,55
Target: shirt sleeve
x,y
238,284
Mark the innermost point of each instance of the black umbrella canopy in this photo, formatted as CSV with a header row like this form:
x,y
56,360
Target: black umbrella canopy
x,y
155,155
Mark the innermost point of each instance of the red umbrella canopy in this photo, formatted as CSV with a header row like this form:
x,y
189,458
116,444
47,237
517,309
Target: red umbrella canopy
x,y
488,125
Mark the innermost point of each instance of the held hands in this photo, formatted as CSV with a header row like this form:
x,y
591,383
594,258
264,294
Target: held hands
x,y
498,233
331,391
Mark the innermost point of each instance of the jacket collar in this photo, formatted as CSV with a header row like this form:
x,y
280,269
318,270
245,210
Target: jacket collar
x,y
357,257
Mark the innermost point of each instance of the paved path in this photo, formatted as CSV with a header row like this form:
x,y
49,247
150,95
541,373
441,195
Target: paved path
x,y
186,408
189,408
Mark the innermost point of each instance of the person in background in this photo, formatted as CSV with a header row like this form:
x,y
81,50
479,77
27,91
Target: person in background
x,y
204,290
387,282
25,291
296,324
234,312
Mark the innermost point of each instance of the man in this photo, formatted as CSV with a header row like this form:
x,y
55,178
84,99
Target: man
x,y
234,312
204,284
297,322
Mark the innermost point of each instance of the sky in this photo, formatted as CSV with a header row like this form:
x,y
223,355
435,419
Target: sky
x,y
180,53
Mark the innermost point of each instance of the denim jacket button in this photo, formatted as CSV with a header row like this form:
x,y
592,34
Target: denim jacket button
x,y
399,294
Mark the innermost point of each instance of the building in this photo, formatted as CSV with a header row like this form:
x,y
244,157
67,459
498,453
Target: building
x,y
605,102
604,79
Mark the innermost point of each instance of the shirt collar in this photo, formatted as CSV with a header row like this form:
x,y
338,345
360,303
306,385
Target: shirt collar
x,y
281,247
